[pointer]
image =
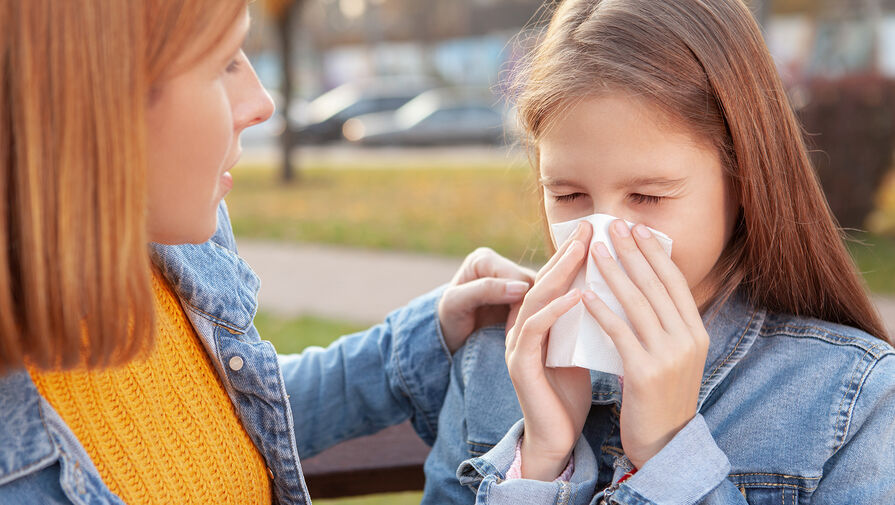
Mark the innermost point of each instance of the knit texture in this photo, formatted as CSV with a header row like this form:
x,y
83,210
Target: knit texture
x,y
161,430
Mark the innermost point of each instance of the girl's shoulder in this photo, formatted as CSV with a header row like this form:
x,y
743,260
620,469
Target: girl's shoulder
x,y
826,336
850,363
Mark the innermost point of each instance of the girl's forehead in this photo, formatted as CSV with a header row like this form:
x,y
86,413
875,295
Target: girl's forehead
x,y
617,137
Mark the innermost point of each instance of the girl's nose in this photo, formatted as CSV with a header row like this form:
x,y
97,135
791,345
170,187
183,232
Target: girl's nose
x,y
606,209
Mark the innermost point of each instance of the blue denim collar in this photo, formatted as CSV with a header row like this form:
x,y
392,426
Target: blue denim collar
x,y
211,278
211,281
732,327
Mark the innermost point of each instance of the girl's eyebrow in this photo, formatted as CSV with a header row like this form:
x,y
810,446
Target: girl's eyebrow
x,y
555,181
664,182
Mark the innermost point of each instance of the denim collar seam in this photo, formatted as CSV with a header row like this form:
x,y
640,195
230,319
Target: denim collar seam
x,y
247,280
218,321
732,351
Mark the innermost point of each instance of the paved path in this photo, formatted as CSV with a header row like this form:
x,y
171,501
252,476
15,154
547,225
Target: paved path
x,y
346,284
358,285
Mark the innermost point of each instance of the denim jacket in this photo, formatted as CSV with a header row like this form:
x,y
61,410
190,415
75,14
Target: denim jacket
x,y
791,411
289,405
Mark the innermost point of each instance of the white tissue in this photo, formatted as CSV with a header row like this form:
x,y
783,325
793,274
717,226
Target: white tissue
x,y
576,339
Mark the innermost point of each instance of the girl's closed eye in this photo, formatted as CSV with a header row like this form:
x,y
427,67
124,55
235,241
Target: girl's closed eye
x,y
646,199
567,198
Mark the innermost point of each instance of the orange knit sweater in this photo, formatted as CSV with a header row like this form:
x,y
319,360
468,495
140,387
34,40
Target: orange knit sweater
x,y
162,430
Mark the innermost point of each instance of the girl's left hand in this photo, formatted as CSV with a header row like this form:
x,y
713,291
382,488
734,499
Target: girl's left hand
x,y
663,351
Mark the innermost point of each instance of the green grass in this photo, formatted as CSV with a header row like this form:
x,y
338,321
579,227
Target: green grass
x,y
875,256
449,211
293,335
411,498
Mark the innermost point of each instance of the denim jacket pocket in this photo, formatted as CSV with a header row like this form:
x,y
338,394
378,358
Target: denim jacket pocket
x,y
766,488
490,400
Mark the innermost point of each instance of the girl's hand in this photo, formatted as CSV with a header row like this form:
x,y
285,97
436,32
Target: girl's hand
x,y
480,294
664,353
554,401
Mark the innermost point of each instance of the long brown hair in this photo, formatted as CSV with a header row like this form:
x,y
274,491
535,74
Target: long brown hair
x,y
704,64
75,82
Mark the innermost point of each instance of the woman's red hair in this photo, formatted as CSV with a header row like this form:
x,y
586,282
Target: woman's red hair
x,y
75,81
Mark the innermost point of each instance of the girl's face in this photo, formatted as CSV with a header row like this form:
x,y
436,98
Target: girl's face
x,y
194,124
612,155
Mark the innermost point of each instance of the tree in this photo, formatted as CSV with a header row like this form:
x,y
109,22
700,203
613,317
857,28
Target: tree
x,y
285,14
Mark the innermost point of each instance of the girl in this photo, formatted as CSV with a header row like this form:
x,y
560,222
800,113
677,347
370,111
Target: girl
x,y
131,372
756,369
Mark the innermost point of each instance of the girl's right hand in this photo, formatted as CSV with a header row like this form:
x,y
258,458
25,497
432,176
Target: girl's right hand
x,y
554,401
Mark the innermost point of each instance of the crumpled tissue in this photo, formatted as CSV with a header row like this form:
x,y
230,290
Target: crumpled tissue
x,y
576,339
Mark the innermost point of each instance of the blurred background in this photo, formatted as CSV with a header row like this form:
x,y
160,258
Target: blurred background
x,y
393,151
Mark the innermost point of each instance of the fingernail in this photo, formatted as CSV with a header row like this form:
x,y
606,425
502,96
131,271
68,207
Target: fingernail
x,y
621,228
516,288
589,295
602,250
642,231
571,294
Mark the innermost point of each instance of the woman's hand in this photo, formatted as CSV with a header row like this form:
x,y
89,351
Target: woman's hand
x,y
663,351
481,293
554,401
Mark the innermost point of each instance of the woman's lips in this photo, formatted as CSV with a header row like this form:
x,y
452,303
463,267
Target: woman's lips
x,y
226,178
226,182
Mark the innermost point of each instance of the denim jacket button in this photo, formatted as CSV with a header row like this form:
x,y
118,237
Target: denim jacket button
x,y
236,363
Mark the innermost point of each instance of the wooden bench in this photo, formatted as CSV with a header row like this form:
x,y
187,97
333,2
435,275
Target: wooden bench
x,y
387,462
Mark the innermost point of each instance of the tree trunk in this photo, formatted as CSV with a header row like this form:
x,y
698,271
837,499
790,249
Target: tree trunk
x,y
286,23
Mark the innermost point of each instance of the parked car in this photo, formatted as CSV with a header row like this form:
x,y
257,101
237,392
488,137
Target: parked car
x,y
325,115
439,116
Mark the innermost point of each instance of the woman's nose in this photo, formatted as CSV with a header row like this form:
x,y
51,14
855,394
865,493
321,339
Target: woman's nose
x,y
256,105
259,109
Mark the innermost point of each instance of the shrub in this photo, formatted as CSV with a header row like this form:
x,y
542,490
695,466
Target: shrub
x,y
850,124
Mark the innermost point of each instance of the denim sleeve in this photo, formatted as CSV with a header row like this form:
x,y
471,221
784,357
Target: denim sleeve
x,y
862,470
686,471
370,380
487,474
